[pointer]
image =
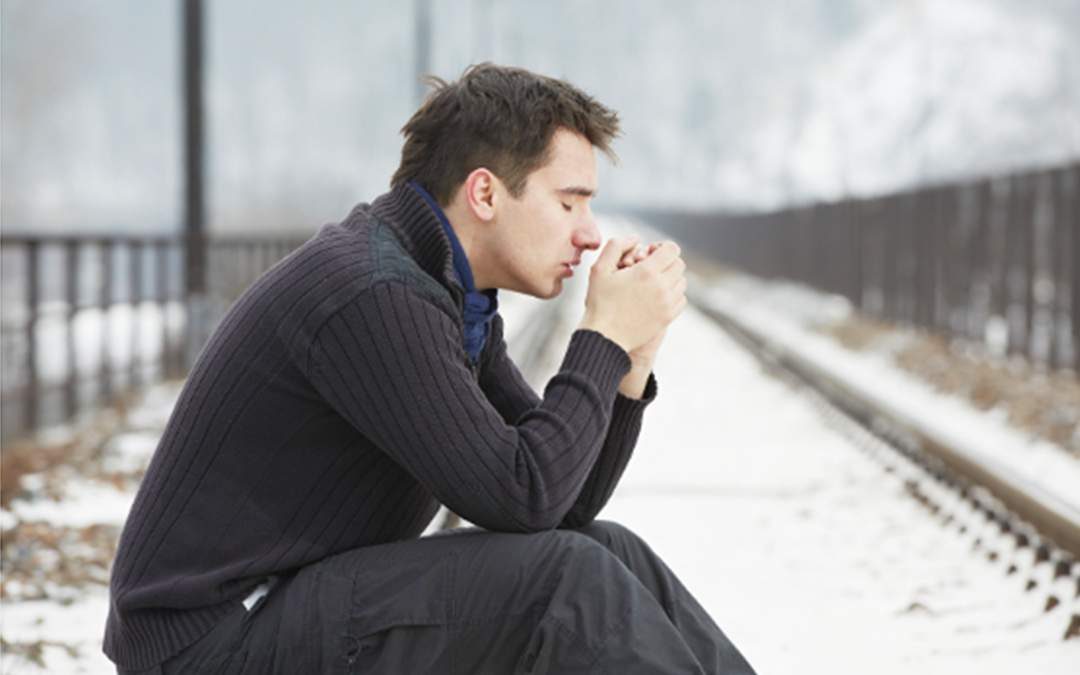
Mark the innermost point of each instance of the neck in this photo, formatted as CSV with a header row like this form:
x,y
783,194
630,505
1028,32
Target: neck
x,y
468,235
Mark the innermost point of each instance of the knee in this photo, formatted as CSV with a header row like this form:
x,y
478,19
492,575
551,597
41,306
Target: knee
x,y
577,549
610,533
572,541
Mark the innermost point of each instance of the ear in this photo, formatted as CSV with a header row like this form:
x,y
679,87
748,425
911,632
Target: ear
x,y
479,192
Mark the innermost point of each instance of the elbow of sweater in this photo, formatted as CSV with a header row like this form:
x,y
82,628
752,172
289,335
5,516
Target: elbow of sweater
x,y
541,514
534,518
577,519
519,525
545,521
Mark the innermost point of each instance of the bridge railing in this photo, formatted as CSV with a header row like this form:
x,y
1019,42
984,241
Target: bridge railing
x,y
993,260
88,319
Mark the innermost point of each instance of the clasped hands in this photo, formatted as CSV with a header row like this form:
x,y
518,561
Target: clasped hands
x,y
635,292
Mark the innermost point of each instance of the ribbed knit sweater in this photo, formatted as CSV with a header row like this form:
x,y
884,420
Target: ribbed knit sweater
x,y
335,407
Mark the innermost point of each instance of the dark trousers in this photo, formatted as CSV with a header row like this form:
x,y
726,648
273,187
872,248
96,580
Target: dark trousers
x,y
594,600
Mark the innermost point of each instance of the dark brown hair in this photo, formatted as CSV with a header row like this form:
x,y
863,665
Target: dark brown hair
x,y
496,117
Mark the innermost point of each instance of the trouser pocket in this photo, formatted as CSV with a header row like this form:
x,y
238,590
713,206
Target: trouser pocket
x,y
400,616
402,648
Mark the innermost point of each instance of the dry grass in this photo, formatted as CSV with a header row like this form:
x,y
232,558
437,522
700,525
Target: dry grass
x,y
1044,404
81,453
44,561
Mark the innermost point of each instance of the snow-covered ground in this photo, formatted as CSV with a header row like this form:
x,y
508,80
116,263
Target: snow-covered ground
x,y
985,438
808,554
71,626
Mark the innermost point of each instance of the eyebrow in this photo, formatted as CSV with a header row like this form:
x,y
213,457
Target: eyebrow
x,y
577,190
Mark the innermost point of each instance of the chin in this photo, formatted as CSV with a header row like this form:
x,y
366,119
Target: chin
x,y
541,292
549,294
554,291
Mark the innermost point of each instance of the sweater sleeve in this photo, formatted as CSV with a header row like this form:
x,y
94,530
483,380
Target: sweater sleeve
x,y
618,448
392,364
507,389
502,381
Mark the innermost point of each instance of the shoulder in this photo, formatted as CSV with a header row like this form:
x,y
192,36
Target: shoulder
x,y
344,261
392,264
356,262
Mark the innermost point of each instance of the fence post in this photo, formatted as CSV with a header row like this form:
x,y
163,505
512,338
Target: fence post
x,y
106,389
942,225
162,253
922,231
961,269
135,249
32,390
71,292
1031,265
1012,261
854,251
196,323
1060,271
979,284
890,253
1070,218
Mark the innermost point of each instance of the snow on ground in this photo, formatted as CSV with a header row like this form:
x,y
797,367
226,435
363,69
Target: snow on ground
x,y
79,624
981,434
806,553
61,624
84,503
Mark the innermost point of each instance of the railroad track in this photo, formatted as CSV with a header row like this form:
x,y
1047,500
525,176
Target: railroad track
x,y
1030,533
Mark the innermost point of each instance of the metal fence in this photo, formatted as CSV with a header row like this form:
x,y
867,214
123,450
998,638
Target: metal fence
x,y
86,320
993,260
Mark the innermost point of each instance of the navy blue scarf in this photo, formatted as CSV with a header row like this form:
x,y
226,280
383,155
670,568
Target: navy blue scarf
x,y
480,306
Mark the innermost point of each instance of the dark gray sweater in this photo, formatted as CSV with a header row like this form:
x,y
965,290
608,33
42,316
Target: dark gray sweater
x,y
335,407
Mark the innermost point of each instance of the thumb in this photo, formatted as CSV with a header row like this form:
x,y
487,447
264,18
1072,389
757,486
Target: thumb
x,y
614,250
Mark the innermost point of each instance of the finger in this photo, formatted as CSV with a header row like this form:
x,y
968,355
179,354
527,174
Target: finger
x,y
677,268
665,253
680,286
633,257
614,250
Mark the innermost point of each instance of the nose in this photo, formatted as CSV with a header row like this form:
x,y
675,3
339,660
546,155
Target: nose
x,y
587,236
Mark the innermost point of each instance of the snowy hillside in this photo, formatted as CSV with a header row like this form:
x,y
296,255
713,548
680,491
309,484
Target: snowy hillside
x,y
927,91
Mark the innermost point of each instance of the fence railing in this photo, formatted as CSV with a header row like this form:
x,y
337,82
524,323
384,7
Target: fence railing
x,y
86,319
995,260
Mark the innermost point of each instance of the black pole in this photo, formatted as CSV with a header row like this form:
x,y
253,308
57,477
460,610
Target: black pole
x,y
422,47
194,203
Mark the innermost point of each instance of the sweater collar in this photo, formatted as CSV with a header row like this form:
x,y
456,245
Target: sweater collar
x,y
462,268
431,241
420,232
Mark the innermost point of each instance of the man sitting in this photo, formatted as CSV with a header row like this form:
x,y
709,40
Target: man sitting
x,y
364,380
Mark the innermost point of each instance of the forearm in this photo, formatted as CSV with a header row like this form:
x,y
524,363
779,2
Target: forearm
x,y
616,453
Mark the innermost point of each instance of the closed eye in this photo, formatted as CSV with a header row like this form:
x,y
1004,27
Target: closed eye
x,y
566,207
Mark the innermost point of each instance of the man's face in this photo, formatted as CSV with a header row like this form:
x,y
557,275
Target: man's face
x,y
542,234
